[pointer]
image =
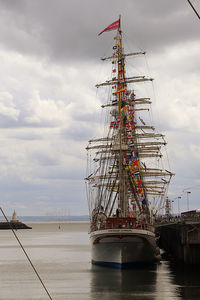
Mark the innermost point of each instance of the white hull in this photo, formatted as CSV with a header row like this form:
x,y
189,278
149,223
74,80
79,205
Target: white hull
x,y
123,247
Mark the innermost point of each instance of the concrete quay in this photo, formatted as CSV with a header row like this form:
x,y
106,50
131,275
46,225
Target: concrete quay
x,y
180,239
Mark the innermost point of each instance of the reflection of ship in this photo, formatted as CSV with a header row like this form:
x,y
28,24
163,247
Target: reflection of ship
x,y
139,283
13,224
119,183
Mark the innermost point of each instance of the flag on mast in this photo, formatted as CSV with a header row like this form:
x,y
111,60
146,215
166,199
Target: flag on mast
x,y
112,26
120,91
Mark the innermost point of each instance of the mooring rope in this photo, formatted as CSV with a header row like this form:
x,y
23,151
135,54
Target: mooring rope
x,y
36,272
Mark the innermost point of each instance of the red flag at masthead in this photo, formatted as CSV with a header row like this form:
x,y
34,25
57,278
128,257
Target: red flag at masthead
x,y
112,26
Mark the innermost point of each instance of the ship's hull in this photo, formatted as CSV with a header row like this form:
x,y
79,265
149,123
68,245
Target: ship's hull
x,y
123,247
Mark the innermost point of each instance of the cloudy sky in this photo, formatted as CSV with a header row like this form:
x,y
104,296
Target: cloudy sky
x,y
49,107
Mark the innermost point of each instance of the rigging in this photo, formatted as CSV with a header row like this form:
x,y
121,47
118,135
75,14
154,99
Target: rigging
x,y
193,8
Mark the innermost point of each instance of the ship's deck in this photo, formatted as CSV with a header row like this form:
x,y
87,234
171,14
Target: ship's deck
x,y
120,222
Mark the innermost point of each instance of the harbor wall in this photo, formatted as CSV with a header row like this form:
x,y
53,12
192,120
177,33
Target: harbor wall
x,y
180,240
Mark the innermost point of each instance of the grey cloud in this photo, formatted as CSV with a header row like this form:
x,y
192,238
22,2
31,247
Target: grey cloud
x,y
43,159
75,174
6,122
27,136
62,174
14,184
79,131
67,30
87,117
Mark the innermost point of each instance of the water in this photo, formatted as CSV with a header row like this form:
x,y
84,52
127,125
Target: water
x,y
62,258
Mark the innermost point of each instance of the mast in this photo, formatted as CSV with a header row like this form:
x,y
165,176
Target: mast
x,y
120,76
124,182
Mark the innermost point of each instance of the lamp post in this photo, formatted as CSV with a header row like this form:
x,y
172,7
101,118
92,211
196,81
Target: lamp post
x,y
188,200
172,208
179,205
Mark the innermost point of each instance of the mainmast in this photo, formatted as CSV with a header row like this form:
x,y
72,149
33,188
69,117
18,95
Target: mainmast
x,y
122,200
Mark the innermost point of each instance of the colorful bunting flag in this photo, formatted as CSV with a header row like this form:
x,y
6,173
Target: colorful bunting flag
x,y
137,173
126,107
132,97
115,124
144,202
120,62
120,91
135,163
135,154
114,101
140,191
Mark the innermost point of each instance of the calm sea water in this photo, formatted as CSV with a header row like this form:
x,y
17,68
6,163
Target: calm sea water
x,y
62,257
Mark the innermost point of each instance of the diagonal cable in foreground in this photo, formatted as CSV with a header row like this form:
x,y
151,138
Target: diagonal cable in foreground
x,y
193,8
26,254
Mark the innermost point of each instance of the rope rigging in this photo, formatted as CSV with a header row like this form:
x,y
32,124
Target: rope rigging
x,y
193,8
34,269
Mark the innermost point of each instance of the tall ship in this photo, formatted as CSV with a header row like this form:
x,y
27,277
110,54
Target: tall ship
x,y
126,183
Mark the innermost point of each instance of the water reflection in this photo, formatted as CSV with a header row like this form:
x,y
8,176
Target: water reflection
x,y
166,286
188,279
123,284
152,283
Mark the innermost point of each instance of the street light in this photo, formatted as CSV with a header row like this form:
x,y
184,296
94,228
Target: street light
x,y
179,205
172,209
188,200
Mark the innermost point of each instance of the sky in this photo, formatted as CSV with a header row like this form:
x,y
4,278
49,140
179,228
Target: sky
x,y
49,107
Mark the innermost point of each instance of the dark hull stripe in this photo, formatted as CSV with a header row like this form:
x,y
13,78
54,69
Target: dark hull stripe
x,y
129,265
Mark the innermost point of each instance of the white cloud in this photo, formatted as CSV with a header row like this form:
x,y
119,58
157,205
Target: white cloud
x,y
45,110
7,106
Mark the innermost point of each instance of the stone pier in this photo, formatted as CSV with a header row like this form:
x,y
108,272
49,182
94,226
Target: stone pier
x,y
181,240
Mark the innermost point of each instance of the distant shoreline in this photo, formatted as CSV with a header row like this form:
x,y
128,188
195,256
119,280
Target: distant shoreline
x,y
57,219
59,222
